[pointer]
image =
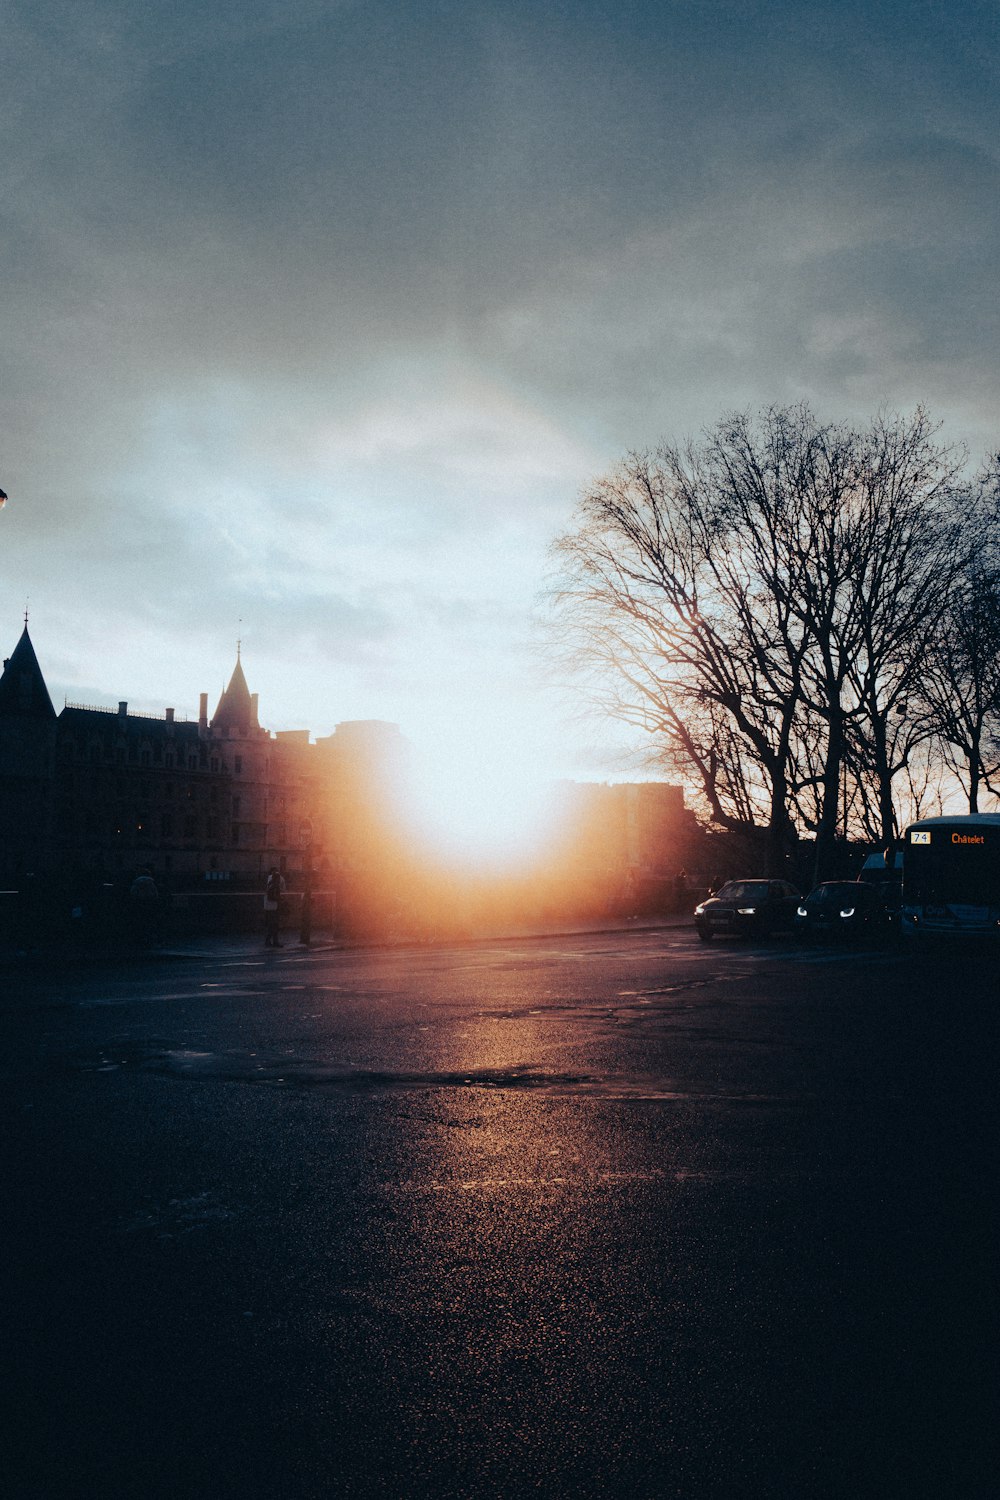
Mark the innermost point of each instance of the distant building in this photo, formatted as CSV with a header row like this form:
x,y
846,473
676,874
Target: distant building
x,y
637,826
93,794
103,791
626,840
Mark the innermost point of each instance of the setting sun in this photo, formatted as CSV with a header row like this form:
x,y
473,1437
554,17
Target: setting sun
x,y
479,803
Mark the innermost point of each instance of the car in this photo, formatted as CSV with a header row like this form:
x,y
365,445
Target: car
x,y
747,908
849,909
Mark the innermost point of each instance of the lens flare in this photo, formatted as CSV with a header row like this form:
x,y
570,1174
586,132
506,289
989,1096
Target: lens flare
x,y
483,806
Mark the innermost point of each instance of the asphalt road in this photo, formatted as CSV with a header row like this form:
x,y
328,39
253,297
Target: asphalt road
x,y
575,1217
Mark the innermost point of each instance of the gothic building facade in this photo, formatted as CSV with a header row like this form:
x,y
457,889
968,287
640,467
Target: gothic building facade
x,y
89,796
103,792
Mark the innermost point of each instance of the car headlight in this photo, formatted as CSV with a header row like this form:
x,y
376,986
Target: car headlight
x,y
802,912
848,911
699,911
747,911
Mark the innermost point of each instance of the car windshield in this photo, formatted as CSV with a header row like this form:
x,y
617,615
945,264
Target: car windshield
x,y
743,890
837,890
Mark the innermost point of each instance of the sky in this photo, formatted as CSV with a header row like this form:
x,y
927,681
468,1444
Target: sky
x,y
318,317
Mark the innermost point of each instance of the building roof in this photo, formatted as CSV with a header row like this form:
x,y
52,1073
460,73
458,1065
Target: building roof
x,y
236,709
110,720
22,686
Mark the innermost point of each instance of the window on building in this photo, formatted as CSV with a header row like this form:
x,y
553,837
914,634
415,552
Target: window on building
x,y
236,807
238,764
190,826
166,825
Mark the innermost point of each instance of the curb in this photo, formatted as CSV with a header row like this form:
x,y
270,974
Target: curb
x,y
220,949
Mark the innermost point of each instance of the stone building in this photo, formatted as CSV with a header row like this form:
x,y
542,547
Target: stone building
x,y
624,843
90,795
103,791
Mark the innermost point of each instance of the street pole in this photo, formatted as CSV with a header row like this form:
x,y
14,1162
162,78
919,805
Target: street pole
x,y
305,838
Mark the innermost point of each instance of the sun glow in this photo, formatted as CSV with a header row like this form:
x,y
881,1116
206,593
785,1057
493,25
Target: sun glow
x,y
480,804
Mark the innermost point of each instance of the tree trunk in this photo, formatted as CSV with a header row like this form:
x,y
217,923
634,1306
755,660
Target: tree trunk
x,y
776,847
974,764
826,833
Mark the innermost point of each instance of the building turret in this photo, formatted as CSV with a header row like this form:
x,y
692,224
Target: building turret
x,y
22,686
28,727
237,710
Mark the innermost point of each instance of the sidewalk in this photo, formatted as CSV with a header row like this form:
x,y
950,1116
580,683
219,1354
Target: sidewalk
x,y
252,945
247,946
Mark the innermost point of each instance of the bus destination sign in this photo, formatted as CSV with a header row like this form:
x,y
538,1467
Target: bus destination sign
x,y
923,836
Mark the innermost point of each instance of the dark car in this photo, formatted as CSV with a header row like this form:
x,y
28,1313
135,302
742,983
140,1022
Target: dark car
x,y
747,908
849,909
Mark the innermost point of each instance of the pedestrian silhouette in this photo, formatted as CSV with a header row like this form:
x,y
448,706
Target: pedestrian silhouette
x,y
143,907
272,908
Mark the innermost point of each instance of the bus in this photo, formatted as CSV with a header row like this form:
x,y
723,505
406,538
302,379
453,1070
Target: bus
x,y
951,876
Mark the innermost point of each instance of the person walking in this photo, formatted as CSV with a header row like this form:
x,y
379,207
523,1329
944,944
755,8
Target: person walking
x,y
144,908
680,891
272,908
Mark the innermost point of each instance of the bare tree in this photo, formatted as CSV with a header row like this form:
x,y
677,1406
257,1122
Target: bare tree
x,y
761,603
803,547
962,680
657,602
911,540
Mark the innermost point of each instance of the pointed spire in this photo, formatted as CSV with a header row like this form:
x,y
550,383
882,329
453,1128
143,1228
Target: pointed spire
x,y
237,709
22,686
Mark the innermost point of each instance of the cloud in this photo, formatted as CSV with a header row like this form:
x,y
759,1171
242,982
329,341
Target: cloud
x,y
320,316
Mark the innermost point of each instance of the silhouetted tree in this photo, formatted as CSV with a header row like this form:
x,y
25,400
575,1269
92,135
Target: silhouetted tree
x,y
913,533
761,602
674,627
962,680
790,483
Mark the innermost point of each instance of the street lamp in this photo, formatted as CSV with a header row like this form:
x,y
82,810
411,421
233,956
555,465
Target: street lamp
x,y
305,841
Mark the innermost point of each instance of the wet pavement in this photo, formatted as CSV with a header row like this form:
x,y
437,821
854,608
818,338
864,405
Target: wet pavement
x,y
562,1216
